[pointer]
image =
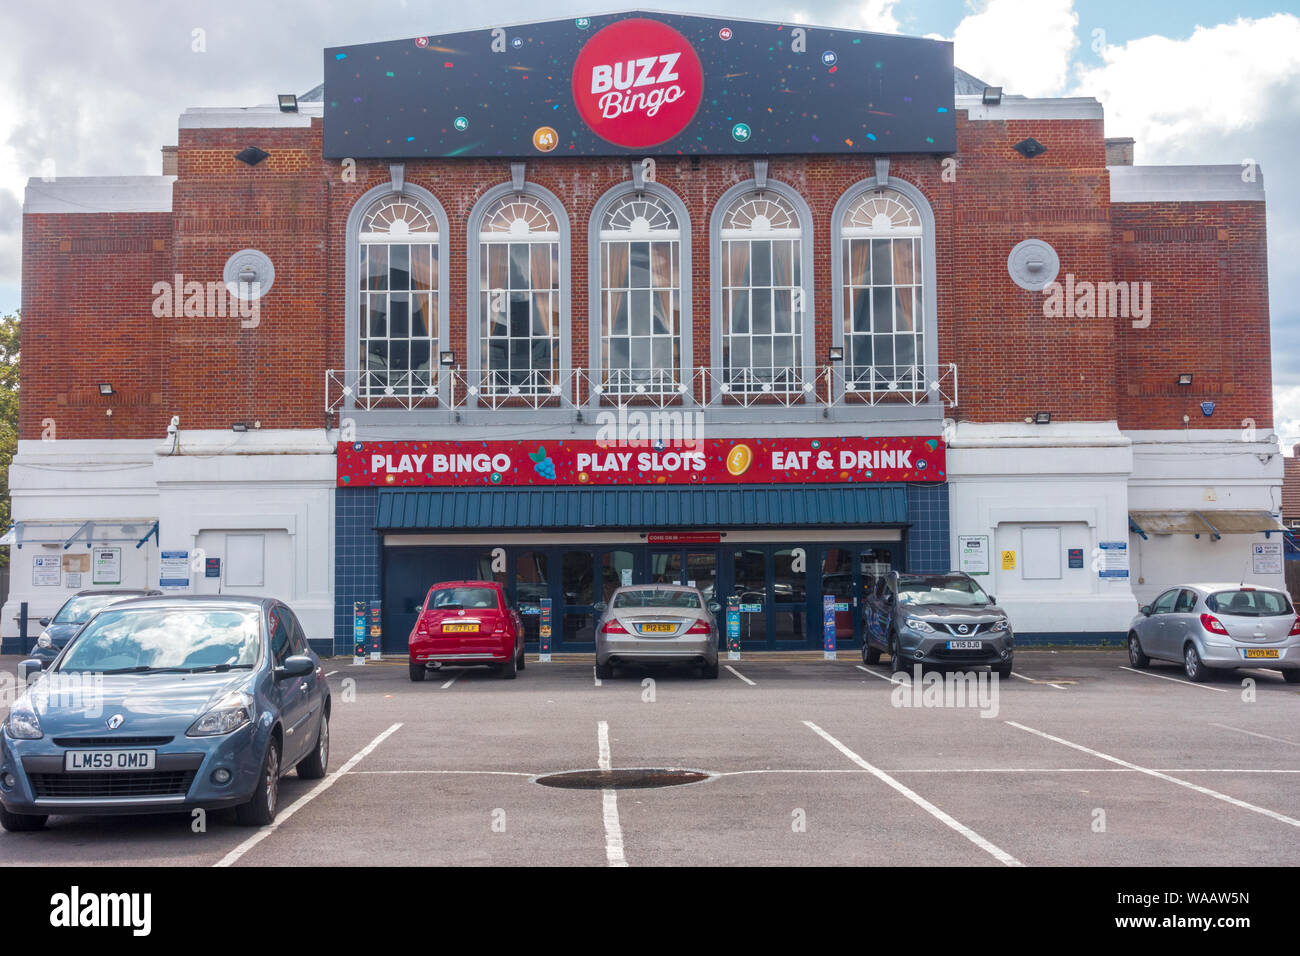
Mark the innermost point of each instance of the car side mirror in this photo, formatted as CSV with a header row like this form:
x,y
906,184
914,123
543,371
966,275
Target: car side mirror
x,y
29,668
45,622
296,666
714,607
992,599
1145,610
601,606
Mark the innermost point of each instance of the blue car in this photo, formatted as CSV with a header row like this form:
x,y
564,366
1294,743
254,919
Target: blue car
x,y
76,611
166,704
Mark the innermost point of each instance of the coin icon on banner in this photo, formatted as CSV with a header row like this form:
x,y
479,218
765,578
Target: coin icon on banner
x,y
545,138
739,459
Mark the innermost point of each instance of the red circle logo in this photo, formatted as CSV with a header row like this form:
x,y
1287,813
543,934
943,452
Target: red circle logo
x,y
637,83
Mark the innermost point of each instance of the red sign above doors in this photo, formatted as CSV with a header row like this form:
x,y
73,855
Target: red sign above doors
x,y
717,461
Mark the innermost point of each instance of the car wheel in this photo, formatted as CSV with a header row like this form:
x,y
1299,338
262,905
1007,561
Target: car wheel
x,y
870,654
418,671
710,671
604,671
261,810
510,669
1194,666
896,663
21,822
522,662
1291,676
312,767
1004,670
1136,657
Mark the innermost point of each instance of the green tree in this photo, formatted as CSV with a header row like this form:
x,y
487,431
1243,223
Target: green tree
x,y
9,343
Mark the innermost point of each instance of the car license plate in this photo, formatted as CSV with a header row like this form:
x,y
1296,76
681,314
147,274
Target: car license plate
x,y
965,645
1267,653
460,627
109,760
657,628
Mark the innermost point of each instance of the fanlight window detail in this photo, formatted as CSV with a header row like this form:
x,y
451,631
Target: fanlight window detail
x,y
521,216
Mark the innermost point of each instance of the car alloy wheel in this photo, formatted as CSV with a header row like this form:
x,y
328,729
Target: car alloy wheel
x,y
1136,657
323,745
272,779
1193,664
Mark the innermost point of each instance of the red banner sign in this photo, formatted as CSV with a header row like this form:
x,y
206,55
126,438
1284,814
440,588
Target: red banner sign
x,y
715,461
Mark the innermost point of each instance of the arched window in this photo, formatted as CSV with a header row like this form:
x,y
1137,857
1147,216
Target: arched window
x,y
881,247
399,280
641,300
519,296
762,295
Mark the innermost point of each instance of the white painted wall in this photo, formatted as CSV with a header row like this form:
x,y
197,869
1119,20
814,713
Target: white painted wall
x,y
207,485
1006,478
1201,470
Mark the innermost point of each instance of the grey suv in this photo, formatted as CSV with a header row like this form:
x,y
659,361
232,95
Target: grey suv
x,y
936,620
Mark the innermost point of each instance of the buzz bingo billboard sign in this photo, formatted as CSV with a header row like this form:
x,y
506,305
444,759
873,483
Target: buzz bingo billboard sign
x,y
719,461
639,83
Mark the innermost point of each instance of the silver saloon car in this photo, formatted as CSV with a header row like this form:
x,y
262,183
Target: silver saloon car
x,y
657,623
1218,627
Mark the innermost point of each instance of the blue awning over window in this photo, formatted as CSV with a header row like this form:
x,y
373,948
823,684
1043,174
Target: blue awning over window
x,y
483,509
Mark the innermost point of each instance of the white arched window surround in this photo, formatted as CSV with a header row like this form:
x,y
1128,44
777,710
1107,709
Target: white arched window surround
x,y
363,206
807,247
928,312
473,309
609,201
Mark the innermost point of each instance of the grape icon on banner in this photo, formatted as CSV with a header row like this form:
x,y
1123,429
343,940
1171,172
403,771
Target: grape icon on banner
x,y
543,464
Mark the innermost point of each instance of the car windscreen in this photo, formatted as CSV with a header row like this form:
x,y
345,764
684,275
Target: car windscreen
x,y
464,597
951,590
143,639
82,608
656,597
1249,603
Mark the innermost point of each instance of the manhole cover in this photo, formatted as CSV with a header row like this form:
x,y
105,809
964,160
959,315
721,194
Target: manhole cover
x,y
636,778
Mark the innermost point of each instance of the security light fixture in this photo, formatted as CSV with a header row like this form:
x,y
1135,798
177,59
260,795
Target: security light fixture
x,y
1185,378
992,95
105,388
447,358
835,353
251,155
1043,418
239,427
288,103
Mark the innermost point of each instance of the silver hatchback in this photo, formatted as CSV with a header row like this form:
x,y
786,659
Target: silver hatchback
x,y
657,624
1218,627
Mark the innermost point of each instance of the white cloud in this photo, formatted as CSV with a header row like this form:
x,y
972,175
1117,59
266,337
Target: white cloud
x,y
874,15
1286,416
1023,45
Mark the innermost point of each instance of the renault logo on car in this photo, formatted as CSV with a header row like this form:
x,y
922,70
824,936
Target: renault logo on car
x,y
115,721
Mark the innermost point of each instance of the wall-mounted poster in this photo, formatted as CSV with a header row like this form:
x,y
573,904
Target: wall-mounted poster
x,y
973,553
174,569
1266,557
46,569
106,566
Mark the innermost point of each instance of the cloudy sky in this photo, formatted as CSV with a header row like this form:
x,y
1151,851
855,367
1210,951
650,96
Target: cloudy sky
x,y
92,88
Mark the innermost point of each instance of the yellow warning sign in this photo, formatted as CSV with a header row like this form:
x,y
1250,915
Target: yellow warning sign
x,y
1008,560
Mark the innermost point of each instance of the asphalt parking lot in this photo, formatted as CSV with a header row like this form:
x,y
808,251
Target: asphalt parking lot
x,y
1077,761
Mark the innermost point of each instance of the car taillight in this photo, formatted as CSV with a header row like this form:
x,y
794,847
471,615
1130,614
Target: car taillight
x,y
422,628
612,627
1213,624
1295,628
501,626
700,627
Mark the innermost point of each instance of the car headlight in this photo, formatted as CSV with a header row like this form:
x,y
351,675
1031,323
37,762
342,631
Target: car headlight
x,y
230,713
916,624
23,724
1002,625
44,640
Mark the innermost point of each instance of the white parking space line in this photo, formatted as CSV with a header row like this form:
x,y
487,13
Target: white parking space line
x,y
233,856
1002,856
1252,733
453,679
483,773
867,670
594,677
1030,680
1176,680
1271,814
609,803
331,673
740,675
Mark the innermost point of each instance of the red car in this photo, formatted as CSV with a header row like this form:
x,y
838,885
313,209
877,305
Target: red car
x,y
467,622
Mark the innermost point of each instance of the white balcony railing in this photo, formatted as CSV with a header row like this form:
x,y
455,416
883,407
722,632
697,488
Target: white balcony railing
x,y
748,387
